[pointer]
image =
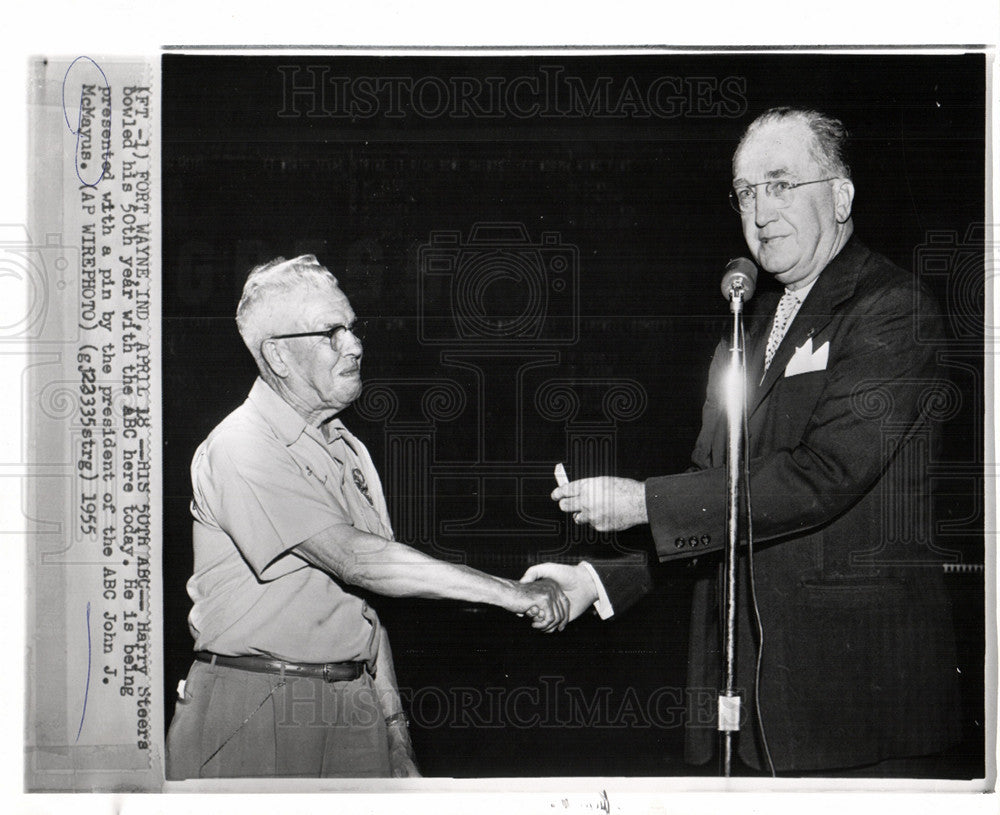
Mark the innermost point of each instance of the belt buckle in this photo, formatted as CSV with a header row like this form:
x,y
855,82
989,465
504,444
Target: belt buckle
x,y
326,674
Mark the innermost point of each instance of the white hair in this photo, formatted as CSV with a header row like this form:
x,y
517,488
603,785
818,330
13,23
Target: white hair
x,y
267,288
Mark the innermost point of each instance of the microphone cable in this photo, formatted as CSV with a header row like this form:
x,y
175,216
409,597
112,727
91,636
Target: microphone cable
x,y
752,577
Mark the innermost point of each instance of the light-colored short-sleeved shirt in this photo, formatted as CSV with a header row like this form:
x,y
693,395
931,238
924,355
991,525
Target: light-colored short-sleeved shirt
x,y
263,482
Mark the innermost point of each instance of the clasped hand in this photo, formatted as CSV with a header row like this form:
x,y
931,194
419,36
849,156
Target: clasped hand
x,y
608,504
544,602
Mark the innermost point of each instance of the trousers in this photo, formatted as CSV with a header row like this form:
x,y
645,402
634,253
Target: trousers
x,y
232,723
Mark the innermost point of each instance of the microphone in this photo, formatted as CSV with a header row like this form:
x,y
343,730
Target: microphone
x,y
740,277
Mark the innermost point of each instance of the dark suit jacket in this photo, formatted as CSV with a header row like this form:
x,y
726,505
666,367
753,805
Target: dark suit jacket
x,y
858,659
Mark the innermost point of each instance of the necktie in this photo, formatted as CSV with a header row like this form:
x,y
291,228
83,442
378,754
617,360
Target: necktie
x,y
782,317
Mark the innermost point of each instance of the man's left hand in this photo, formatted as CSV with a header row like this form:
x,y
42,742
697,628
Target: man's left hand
x,y
607,504
402,760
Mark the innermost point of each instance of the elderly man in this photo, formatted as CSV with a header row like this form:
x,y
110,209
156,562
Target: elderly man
x,y
293,675
857,667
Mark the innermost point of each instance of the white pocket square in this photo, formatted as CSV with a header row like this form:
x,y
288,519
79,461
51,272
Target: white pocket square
x,y
805,360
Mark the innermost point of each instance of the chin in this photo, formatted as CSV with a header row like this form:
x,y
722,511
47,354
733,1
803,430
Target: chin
x,y
774,265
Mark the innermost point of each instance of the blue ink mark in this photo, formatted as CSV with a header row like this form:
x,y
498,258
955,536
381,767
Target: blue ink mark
x,y
86,690
79,122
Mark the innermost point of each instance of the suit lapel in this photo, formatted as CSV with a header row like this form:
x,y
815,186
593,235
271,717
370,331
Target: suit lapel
x,y
835,284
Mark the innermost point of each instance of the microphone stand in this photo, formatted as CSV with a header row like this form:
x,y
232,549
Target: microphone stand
x,y
729,700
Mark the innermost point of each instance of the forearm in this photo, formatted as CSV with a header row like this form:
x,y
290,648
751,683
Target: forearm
x,y
397,570
386,686
401,755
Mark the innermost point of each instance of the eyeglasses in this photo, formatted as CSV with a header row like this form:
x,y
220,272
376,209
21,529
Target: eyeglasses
x,y
744,198
356,329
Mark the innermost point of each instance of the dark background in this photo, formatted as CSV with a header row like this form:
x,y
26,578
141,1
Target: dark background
x,y
250,173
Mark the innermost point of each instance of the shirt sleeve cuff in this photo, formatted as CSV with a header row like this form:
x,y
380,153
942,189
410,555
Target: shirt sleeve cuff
x,y
602,605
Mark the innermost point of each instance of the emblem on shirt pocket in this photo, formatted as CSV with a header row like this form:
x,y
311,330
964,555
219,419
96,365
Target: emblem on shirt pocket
x,y
317,476
361,484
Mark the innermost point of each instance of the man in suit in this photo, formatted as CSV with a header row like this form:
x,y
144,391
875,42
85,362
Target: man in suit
x,y
858,665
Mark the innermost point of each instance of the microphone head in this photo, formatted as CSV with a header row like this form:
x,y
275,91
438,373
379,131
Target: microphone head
x,y
741,273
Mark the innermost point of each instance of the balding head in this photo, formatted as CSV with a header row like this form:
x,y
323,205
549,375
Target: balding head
x,y
828,143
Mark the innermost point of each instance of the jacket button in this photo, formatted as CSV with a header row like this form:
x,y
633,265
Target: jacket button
x,y
679,543
693,541
706,539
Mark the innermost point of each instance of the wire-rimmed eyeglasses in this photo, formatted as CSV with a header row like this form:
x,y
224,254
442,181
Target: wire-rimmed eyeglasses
x,y
744,198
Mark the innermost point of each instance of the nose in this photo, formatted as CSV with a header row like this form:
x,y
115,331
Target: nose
x,y
765,208
349,344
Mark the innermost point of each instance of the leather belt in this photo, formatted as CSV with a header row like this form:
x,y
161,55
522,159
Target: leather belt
x,y
327,671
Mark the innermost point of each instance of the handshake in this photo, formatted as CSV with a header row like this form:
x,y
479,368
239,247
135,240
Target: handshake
x,y
559,593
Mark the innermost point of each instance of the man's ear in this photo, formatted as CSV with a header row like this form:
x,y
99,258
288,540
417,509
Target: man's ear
x,y
843,199
274,356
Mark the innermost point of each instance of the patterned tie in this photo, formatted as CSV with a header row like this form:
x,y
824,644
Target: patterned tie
x,y
782,317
